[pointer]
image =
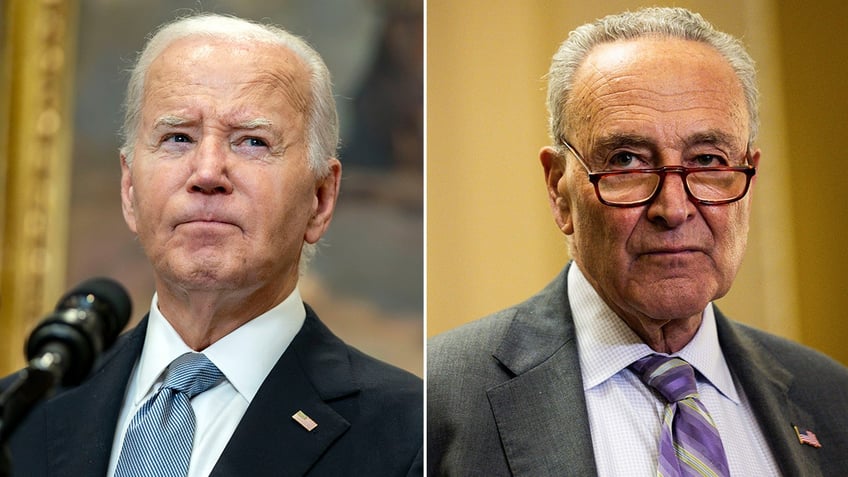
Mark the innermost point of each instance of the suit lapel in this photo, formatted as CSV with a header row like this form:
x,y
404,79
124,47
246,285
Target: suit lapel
x,y
81,421
542,420
541,413
312,376
766,384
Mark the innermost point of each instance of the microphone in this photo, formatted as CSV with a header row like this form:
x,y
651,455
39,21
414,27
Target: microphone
x,y
86,321
63,348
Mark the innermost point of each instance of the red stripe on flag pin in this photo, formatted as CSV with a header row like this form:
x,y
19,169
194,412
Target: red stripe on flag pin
x,y
304,420
807,437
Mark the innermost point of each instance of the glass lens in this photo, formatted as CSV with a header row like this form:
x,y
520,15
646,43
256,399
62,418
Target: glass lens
x,y
628,188
716,185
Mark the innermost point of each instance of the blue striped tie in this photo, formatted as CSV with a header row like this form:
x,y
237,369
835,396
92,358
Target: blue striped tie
x,y
159,438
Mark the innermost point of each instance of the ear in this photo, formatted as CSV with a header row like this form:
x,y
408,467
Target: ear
x,y
553,165
324,202
755,161
755,158
127,193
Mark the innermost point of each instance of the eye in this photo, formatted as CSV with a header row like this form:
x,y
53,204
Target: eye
x,y
177,137
251,147
708,160
176,143
626,160
254,142
250,142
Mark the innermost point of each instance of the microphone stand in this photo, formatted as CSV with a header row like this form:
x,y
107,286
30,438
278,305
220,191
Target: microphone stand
x,y
33,384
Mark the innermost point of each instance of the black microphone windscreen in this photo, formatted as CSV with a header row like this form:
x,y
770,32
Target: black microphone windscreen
x,y
107,292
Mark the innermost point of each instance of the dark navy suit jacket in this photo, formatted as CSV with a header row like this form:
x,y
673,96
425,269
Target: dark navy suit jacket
x,y
369,415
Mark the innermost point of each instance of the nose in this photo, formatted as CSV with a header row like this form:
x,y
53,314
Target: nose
x,y
210,169
671,207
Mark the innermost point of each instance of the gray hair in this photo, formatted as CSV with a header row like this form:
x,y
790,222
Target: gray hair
x,y
662,22
322,124
322,127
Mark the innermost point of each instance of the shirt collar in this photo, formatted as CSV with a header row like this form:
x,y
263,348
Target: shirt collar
x,y
606,345
245,356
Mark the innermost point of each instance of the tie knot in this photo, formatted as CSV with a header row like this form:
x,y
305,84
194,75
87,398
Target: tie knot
x,y
192,374
671,377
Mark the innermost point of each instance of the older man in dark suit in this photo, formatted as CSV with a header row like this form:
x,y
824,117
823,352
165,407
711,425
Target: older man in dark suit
x,y
229,177
622,365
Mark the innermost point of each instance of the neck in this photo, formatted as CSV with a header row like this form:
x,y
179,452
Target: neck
x,y
202,317
665,336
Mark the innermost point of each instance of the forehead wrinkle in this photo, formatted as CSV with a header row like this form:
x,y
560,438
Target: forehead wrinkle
x,y
605,72
291,82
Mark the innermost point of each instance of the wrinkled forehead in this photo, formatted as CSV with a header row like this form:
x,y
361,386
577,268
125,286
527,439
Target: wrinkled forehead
x,y
653,76
657,55
271,69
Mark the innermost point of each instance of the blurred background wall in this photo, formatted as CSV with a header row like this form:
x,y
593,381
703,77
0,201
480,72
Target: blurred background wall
x,y
491,241
367,281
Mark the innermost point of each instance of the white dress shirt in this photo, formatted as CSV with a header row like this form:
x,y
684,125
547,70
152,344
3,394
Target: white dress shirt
x,y
245,357
625,415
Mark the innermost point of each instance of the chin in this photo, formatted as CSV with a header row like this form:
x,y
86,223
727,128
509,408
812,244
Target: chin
x,y
202,276
669,299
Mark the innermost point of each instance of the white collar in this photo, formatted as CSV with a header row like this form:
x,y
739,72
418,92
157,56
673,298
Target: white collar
x,y
606,345
245,356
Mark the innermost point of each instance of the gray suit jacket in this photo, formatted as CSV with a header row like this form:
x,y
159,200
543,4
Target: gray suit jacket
x,y
505,395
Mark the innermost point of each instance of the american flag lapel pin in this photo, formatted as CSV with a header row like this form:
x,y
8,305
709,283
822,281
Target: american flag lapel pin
x,y
301,418
807,437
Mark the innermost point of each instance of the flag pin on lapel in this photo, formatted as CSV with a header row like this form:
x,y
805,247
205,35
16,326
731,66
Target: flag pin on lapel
x,y
309,424
807,437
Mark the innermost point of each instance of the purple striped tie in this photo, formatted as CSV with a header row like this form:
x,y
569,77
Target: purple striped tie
x,y
689,441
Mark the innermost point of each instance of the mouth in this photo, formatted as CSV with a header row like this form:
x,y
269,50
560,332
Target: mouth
x,y
672,251
206,223
669,256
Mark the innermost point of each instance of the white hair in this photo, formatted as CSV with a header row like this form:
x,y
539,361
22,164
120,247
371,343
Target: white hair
x,y
648,22
322,126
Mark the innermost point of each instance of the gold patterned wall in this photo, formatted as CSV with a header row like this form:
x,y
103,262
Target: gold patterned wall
x,y
38,40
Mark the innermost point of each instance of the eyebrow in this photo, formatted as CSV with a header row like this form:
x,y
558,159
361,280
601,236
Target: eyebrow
x,y
170,120
256,123
710,137
617,140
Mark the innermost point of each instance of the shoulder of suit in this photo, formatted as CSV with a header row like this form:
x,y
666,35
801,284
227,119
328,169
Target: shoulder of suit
x,y
551,301
475,334
800,359
373,372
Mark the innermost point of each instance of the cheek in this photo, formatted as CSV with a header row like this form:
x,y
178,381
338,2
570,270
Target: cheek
x,y
593,229
729,228
290,206
736,234
603,234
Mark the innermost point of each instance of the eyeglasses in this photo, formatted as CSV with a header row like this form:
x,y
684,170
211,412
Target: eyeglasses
x,y
704,185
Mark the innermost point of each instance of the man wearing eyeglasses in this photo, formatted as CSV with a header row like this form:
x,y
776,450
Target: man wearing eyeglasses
x,y
622,365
